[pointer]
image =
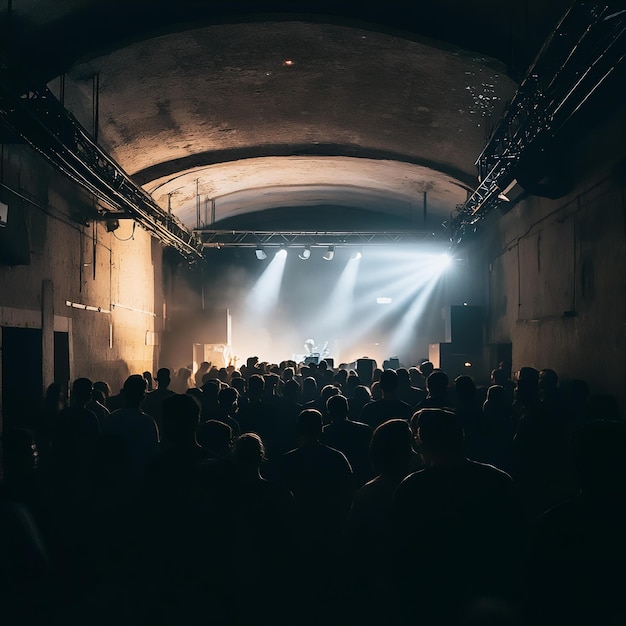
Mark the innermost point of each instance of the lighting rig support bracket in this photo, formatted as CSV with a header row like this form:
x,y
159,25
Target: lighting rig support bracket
x,y
583,50
34,114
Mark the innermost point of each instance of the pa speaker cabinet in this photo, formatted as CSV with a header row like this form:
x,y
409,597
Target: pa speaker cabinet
x,y
444,356
212,326
464,328
365,370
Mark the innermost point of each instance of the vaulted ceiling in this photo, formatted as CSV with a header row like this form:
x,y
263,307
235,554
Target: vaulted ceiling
x,y
284,115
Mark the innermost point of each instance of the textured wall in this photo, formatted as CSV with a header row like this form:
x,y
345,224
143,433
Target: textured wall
x,y
50,232
557,280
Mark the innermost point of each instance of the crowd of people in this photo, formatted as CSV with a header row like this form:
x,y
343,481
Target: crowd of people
x,y
301,494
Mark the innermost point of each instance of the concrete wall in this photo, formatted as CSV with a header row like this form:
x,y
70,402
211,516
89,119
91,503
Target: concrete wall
x,y
65,257
557,270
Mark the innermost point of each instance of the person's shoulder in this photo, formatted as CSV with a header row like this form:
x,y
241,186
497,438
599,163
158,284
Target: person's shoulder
x,y
489,471
355,425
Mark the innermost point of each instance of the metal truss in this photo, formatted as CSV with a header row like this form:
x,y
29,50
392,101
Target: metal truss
x,y
37,117
584,49
314,239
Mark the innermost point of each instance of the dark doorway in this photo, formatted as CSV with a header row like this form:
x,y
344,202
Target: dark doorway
x,y
22,379
62,361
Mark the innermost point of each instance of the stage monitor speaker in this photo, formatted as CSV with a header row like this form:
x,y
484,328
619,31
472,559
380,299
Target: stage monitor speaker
x,y
444,356
365,370
312,359
212,326
330,361
464,328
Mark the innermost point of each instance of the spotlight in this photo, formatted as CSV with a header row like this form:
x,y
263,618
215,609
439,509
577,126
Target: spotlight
x,y
445,261
260,253
329,254
356,255
306,253
282,252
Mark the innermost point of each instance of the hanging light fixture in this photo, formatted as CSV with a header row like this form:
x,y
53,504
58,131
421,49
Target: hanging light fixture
x,y
329,254
306,253
260,253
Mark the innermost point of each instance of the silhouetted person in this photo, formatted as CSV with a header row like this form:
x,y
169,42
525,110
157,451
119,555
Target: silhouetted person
x,y
203,368
182,381
576,569
389,406
153,402
492,440
359,398
215,438
370,523
319,477
437,391
406,391
265,532
351,438
149,381
135,429
53,403
459,519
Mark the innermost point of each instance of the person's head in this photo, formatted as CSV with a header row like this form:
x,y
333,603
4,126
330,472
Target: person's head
x,y
465,389
350,385
337,408
204,367
215,437
271,382
499,377
327,392
291,390
388,382
437,384
210,389
103,386
362,395
256,386
54,399
163,377
439,436
548,382
81,391
227,398
391,447
239,384
149,382
404,380
426,369
309,389
498,403
416,377
309,426
134,390
527,384
249,453
181,413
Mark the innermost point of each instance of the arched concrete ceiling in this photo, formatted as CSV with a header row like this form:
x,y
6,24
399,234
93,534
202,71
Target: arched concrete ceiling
x,y
272,115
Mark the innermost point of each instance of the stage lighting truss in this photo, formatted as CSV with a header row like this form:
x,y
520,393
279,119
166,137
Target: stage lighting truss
x,y
584,49
312,239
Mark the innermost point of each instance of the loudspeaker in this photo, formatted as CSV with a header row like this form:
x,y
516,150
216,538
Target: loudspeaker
x,y
444,356
365,370
330,361
212,326
464,328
